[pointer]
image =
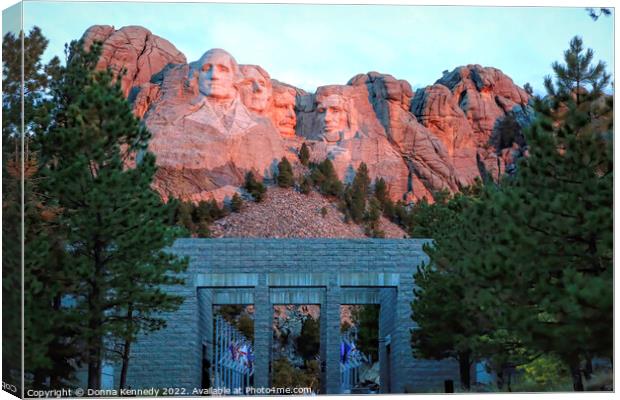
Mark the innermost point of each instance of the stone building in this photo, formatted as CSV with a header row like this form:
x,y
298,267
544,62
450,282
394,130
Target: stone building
x,y
268,272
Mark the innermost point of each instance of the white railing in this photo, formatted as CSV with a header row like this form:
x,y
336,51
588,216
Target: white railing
x,y
232,362
351,359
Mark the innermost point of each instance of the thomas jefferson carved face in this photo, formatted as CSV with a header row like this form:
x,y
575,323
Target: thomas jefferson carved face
x,y
256,89
334,116
284,110
217,75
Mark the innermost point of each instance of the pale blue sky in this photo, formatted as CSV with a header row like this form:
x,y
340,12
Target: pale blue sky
x,y
314,45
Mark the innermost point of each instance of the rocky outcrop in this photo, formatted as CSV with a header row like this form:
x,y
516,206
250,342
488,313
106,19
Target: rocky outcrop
x,y
340,122
424,153
213,120
203,145
463,109
135,50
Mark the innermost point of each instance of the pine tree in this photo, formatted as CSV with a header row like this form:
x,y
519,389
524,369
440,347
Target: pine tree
x,y
285,177
325,177
535,252
184,216
451,311
372,218
309,339
305,186
381,191
444,328
366,318
564,224
423,217
358,192
236,203
115,223
49,329
304,155
255,188
577,80
596,14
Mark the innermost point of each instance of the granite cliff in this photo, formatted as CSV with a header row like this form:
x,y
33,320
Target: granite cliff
x,y
213,120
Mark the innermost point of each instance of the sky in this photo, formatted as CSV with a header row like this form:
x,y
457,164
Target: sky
x,y
314,45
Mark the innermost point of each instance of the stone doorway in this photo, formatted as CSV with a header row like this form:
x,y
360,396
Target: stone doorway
x,y
359,348
267,272
296,346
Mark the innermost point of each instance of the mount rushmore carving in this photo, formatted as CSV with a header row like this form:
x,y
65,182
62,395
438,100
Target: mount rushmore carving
x,y
213,120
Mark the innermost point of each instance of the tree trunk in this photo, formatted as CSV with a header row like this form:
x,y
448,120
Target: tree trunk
x,y
55,378
587,371
509,380
38,379
126,351
94,368
125,367
464,369
576,375
500,379
95,342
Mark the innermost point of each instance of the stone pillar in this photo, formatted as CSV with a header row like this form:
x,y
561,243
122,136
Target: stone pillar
x,y
330,338
205,333
386,321
263,319
403,371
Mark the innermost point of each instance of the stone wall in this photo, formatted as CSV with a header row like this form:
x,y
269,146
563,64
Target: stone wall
x,y
265,271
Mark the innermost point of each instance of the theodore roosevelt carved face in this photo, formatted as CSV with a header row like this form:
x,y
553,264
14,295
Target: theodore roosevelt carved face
x,y
283,115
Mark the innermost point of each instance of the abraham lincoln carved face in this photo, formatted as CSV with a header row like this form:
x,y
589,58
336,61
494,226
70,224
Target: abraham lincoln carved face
x,y
334,113
217,75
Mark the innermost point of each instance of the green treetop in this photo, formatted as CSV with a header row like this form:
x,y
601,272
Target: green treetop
x,y
285,177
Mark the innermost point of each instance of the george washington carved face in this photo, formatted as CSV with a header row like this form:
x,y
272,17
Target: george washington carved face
x,y
217,75
256,89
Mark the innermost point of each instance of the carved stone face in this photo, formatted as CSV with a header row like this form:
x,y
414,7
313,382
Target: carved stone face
x,y
334,115
217,75
256,90
284,112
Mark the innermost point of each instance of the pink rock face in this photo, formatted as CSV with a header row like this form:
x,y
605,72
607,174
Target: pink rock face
x,y
133,49
336,117
354,135
282,112
218,76
426,156
283,109
462,109
205,142
213,120
256,89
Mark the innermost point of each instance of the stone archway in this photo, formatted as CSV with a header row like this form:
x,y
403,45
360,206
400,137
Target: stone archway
x,y
264,272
